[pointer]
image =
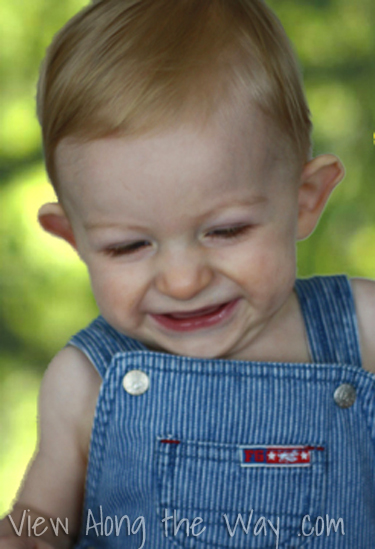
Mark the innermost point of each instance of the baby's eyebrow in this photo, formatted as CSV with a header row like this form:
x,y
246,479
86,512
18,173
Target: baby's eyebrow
x,y
95,225
253,201
199,218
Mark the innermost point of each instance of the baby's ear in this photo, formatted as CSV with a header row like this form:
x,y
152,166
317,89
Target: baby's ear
x,y
53,219
319,177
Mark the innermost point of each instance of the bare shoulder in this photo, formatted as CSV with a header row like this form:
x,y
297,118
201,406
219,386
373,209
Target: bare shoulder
x,y
69,392
54,483
364,297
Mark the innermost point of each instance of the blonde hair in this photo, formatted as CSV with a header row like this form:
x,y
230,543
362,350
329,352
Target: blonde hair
x,y
130,66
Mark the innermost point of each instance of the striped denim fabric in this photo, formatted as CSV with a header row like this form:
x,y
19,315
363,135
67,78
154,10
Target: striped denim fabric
x,y
250,454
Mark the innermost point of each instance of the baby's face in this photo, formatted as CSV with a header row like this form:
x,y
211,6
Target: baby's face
x,y
189,235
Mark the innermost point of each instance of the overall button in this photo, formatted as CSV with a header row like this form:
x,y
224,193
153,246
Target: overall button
x,y
136,382
345,395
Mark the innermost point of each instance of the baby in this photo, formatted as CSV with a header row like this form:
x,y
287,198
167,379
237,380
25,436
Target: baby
x,y
217,401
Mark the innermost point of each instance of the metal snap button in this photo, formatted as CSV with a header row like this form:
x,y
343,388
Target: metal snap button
x,y
345,395
136,382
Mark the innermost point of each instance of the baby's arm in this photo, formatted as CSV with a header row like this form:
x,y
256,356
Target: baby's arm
x,y
364,297
54,484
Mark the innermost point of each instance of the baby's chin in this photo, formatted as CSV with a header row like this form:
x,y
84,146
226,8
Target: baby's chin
x,y
201,350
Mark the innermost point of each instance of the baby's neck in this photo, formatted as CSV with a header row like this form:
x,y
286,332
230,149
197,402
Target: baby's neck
x,y
284,339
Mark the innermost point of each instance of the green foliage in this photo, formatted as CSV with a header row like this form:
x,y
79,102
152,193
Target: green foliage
x,y
44,289
45,296
335,43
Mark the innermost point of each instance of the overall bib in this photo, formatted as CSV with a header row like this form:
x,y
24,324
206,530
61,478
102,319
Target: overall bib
x,y
251,454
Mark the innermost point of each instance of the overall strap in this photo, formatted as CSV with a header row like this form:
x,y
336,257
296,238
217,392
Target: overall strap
x,y
328,310
100,342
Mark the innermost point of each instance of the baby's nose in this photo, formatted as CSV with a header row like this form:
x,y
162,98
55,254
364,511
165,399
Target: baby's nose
x,y
183,275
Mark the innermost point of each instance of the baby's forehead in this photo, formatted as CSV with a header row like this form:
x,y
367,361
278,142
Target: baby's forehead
x,y
232,130
172,197
226,149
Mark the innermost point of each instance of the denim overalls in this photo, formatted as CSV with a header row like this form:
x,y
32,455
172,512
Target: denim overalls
x,y
250,454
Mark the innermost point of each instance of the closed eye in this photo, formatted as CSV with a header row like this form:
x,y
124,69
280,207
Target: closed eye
x,y
127,249
229,232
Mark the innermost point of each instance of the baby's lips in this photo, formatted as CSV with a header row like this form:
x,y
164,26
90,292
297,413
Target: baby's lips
x,y
192,314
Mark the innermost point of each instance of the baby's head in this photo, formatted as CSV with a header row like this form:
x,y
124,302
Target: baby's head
x,y
129,66
177,137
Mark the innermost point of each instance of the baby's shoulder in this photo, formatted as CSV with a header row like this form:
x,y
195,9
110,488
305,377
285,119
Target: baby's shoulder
x,y
364,299
54,483
73,369
69,392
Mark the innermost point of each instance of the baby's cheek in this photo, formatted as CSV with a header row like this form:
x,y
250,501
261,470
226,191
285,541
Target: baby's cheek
x,y
271,271
119,296
104,288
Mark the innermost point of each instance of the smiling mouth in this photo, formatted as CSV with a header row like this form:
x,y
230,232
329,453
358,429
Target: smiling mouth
x,y
196,320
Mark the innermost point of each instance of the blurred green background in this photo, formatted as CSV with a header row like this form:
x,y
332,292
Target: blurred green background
x,y
45,296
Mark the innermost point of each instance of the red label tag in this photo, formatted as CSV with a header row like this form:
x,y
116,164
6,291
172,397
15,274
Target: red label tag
x,y
275,456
